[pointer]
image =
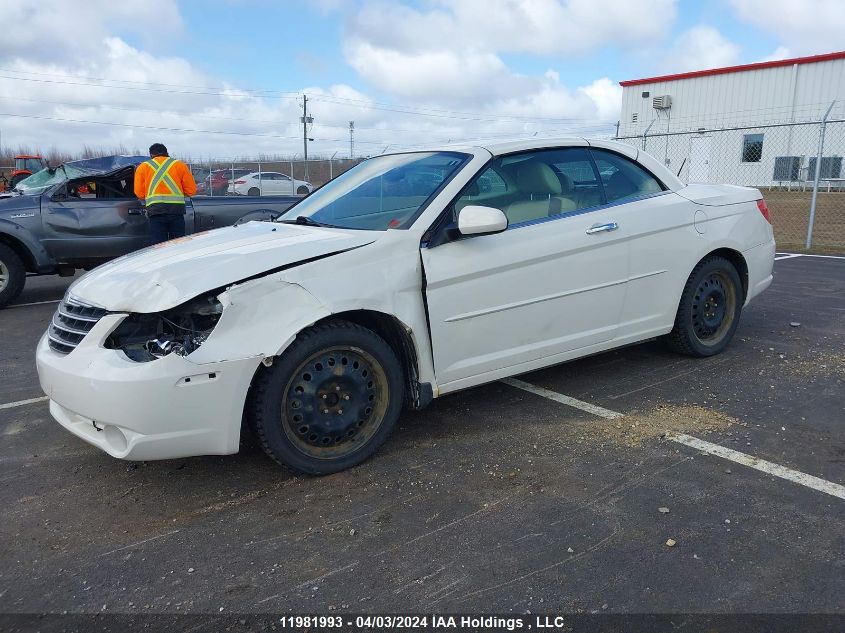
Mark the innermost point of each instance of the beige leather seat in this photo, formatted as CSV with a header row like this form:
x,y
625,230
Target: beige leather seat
x,y
542,193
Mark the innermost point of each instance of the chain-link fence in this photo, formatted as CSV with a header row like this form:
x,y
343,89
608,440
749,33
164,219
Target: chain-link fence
x,y
269,177
805,195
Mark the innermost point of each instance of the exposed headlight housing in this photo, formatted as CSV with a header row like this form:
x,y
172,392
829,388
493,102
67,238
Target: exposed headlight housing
x,y
180,330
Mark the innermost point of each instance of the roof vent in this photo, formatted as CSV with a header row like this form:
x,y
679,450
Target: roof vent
x,y
663,102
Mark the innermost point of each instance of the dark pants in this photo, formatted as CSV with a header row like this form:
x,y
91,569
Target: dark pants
x,y
166,226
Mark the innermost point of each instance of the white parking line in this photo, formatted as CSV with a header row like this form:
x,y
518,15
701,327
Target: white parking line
x,y
20,403
777,259
822,485
808,255
34,303
559,397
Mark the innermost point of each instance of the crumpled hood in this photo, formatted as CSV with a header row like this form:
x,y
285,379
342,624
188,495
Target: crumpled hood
x,y
165,275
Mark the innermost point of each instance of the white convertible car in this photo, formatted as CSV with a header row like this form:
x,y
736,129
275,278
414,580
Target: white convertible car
x,y
411,276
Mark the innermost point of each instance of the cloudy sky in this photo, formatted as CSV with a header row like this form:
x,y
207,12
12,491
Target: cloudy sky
x,y
225,79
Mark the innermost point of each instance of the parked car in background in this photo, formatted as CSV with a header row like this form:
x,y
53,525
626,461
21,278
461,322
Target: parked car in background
x,y
375,294
268,182
217,183
200,174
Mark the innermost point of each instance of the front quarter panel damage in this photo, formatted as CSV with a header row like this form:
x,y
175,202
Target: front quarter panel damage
x,y
260,319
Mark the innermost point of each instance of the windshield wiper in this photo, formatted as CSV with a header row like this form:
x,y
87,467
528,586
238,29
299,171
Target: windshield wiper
x,y
306,221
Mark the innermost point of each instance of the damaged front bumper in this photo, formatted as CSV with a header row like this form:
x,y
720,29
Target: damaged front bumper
x,y
172,407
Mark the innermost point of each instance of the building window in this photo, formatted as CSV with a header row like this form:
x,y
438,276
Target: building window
x,y
752,148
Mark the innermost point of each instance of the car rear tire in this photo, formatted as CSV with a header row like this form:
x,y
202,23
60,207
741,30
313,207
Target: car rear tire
x,y
12,275
254,191
709,311
329,401
303,190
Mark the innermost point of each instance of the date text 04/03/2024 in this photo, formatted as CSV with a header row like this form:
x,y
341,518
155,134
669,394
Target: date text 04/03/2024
x,y
421,622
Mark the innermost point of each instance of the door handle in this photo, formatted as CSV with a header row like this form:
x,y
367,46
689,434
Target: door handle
x,y
600,228
135,211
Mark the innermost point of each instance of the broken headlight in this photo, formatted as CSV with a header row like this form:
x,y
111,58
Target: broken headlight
x,y
180,330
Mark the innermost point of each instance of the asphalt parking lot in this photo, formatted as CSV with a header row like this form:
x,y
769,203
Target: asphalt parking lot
x,y
492,500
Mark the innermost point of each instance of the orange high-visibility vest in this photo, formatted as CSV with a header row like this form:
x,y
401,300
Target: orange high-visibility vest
x,y
163,189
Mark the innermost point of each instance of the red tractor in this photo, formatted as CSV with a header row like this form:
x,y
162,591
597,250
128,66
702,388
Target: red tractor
x,y
25,166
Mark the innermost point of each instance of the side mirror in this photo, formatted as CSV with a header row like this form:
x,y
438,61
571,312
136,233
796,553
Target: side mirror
x,y
477,220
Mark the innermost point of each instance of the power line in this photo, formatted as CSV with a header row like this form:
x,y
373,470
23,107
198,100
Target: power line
x,y
274,122
169,129
356,103
135,109
184,92
130,81
443,114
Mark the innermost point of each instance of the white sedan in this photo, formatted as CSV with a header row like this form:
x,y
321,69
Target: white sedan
x,y
267,183
408,277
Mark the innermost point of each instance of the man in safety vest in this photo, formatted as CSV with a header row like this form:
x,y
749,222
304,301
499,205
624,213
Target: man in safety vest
x,y
162,183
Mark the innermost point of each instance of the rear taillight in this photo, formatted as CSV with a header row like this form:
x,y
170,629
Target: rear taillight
x,y
761,204
241,182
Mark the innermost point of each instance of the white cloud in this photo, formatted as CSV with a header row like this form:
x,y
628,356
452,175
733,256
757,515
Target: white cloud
x,y
450,52
530,26
804,27
607,95
781,52
445,63
52,30
702,47
435,75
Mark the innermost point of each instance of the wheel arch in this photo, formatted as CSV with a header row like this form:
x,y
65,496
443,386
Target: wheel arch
x,y
21,250
738,261
396,334
401,340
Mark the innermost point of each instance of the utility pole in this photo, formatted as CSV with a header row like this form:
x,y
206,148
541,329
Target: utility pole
x,y
351,139
306,121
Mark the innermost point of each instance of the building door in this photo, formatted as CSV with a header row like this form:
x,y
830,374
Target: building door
x,y
699,159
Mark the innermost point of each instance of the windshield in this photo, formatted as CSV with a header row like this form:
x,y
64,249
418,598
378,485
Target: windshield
x,y
42,180
386,192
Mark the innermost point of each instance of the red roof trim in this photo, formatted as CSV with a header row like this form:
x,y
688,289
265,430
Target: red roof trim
x,y
736,69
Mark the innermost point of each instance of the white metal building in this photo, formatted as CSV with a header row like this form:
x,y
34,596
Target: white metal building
x,y
744,120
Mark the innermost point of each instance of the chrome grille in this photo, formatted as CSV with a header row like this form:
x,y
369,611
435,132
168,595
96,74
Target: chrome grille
x,y
72,321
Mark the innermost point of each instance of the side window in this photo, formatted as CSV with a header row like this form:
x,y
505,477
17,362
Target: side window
x,y
486,190
491,183
535,185
622,178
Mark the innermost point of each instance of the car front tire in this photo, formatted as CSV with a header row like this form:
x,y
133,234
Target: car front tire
x,y
709,311
12,275
329,401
